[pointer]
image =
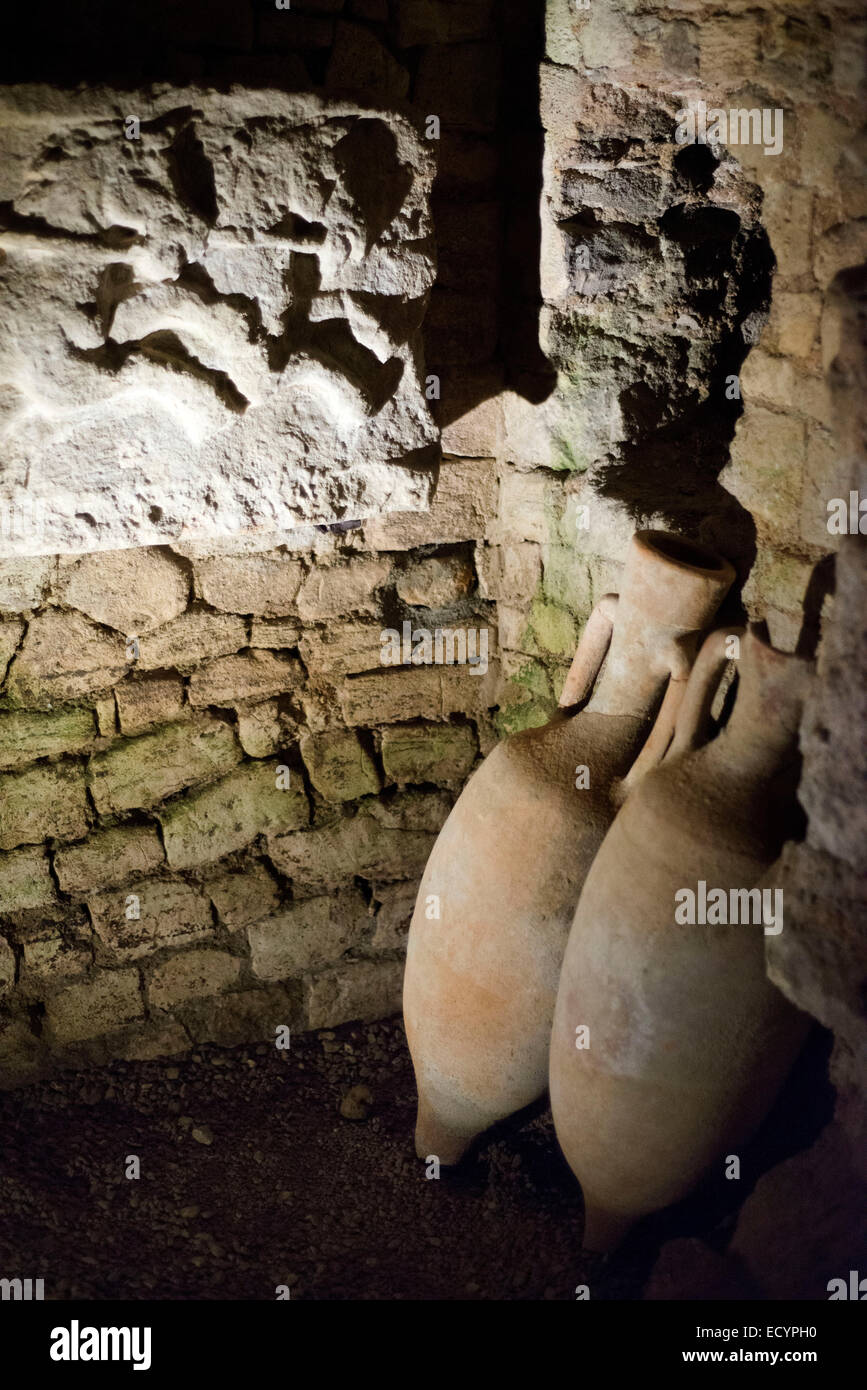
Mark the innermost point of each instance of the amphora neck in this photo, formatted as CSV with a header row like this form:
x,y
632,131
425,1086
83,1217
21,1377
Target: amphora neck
x,y
670,591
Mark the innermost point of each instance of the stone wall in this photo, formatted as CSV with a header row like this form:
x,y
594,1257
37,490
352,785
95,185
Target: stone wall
x,y
704,309
216,799
684,298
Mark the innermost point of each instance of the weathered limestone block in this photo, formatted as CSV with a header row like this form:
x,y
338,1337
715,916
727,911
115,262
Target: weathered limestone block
x,y
527,700
510,572
63,657
132,591
247,676
342,649
320,860
331,592
274,634
413,810
428,752
826,475
392,697
793,326
768,379
243,897
515,632
526,510
567,580
176,366
26,736
465,502
264,585
315,932
318,705
25,881
228,816
148,769
427,692
362,990
340,767
149,914
143,703
107,857
86,1010
260,730
194,637
788,212
47,800
766,469
436,582
775,591
23,582
838,249
192,975
47,957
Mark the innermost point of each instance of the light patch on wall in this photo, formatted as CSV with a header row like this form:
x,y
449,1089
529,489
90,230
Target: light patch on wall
x,y
212,325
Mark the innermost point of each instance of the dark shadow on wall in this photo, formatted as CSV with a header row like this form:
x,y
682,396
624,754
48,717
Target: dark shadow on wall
x,y
475,68
679,424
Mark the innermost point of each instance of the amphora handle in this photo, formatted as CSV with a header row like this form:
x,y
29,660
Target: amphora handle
x,y
661,735
693,718
590,653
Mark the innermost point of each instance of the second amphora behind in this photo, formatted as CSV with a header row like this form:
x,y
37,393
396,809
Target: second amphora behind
x,y
499,891
669,1041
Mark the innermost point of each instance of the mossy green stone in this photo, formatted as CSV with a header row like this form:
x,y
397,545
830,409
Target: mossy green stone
x,y
340,767
428,752
25,881
143,771
513,719
554,629
207,825
28,735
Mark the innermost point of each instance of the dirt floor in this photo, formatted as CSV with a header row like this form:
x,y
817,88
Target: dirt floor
x,y
252,1178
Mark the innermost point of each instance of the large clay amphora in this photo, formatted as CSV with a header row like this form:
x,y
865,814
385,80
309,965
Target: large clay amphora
x,y
669,1042
499,891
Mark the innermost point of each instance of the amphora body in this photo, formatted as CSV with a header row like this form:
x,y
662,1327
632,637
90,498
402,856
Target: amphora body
x,y
499,891
687,1042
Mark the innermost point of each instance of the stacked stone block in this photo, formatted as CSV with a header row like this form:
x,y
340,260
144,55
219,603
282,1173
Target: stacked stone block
x,y
197,841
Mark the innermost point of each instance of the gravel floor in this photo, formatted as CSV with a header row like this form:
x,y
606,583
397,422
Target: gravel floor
x,y
252,1178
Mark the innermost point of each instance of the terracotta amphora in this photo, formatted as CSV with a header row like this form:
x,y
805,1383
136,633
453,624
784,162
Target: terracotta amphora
x,y
669,1042
499,891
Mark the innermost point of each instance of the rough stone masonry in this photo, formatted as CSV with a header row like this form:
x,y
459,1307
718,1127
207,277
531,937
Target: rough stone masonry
x,y
212,308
